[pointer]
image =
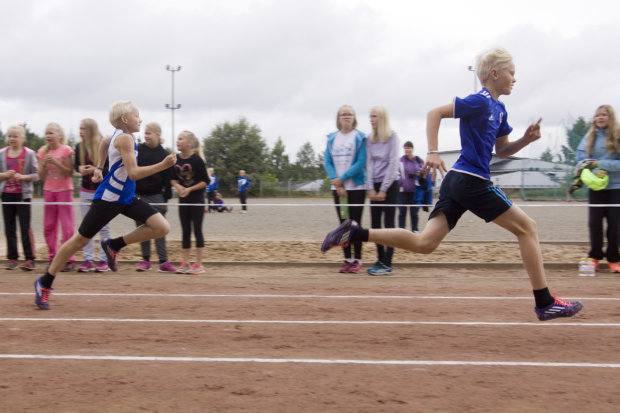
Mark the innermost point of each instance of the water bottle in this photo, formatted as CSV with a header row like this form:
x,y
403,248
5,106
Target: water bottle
x,y
583,267
344,210
591,268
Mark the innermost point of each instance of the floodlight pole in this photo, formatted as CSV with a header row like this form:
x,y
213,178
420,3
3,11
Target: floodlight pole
x,y
473,69
172,106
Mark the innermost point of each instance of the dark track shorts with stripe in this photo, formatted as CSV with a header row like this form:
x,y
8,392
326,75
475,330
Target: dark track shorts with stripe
x,y
101,212
460,192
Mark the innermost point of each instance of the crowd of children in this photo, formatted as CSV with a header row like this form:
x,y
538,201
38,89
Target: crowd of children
x,y
55,163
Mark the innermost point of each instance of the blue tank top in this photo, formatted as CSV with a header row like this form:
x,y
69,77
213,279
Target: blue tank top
x,y
116,186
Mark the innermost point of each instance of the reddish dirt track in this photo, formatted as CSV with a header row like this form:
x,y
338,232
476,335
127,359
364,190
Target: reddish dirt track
x,y
221,306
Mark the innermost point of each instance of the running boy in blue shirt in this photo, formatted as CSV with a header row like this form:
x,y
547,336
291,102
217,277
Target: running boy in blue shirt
x,y
468,186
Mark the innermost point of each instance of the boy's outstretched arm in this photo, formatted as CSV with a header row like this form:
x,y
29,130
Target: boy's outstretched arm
x,y
433,120
505,148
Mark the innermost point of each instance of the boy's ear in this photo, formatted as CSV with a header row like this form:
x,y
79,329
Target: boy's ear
x,y
493,74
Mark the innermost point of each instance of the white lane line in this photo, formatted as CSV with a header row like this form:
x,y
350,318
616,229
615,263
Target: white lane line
x,y
391,297
314,361
318,322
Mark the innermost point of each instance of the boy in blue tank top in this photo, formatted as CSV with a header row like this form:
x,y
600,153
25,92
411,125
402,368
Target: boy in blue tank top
x,y
115,195
468,186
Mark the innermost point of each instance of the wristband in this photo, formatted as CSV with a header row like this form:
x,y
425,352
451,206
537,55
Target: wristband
x,y
429,152
96,167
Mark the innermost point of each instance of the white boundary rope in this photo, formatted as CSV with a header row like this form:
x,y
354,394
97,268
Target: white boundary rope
x,y
549,205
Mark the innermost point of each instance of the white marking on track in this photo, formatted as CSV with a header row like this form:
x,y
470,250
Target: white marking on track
x,y
317,322
391,297
313,361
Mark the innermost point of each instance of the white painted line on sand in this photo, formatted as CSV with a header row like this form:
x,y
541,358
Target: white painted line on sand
x,y
313,361
391,297
317,322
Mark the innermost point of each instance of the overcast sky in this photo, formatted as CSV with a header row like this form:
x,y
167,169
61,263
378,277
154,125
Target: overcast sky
x,y
287,65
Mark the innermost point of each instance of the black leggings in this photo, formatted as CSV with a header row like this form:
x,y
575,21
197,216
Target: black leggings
x,y
189,215
595,223
389,213
355,213
12,215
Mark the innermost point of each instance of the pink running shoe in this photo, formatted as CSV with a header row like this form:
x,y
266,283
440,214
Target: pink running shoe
x,y
196,268
345,267
102,266
184,267
355,268
144,266
167,267
87,266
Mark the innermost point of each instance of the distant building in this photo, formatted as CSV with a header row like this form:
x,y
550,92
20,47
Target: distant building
x,y
310,186
514,172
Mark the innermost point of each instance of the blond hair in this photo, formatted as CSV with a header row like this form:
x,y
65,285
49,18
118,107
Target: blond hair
x,y
119,109
338,126
59,130
195,142
612,133
383,131
19,128
493,58
156,129
91,141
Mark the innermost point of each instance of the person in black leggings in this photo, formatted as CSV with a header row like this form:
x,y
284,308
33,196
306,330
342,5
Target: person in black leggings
x,y
382,169
345,164
190,180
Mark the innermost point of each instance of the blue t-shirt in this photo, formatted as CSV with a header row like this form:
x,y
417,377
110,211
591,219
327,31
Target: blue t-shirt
x,y
483,120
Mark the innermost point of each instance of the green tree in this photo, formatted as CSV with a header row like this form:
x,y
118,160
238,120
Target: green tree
x,y
234,146
308,166
547,155
574,134
279,161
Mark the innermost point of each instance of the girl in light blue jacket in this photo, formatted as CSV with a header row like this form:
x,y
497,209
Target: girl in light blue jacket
x,y
602,145
345,164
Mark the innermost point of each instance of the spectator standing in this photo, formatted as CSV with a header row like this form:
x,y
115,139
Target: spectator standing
x,y
86,157
243,184
189,181
18,170
56,170
409,180
601,145
382,176
156,190
345,165
212,188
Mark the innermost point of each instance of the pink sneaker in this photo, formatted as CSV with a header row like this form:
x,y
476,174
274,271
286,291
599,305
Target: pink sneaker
x,y
184,267
167,267
345,267
144,266
87,266
102,266
196,268
355,267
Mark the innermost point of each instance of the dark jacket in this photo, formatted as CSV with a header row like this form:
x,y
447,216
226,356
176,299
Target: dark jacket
x,y
157,183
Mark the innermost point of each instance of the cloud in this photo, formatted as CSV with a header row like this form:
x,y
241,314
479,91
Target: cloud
x,y
288,65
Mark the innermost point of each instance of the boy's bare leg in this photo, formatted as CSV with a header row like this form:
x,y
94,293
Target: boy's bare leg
x,y
524,227
155,227
75,243
425,242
